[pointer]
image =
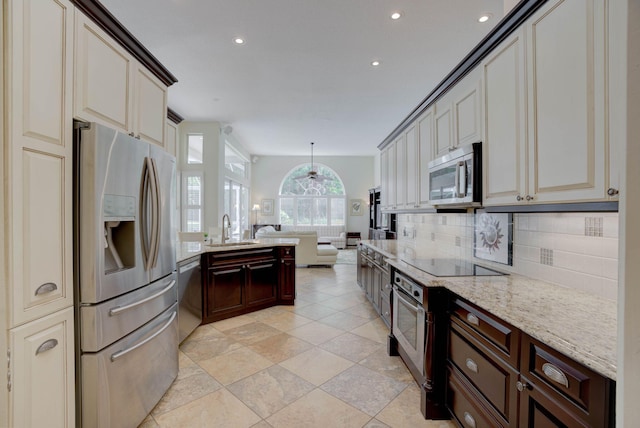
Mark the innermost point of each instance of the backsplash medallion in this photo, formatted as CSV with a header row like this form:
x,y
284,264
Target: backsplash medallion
x,y
575,250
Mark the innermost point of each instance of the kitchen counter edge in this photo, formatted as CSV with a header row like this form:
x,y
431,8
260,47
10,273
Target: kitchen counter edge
x,y
187,250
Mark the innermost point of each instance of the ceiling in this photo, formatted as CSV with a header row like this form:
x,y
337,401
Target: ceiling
x,y
304,72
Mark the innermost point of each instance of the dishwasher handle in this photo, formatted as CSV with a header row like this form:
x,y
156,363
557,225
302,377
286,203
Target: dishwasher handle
x,y
188,267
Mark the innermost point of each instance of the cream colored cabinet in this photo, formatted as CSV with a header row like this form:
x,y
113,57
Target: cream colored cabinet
x,y
172,138
504,149
412,160
567,115
458,115
546,137
112,88
384,178
391,182
38,166
41,368
401,173
424,156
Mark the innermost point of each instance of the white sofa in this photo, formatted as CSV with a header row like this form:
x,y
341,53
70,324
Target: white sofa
x,y
308,252
336,235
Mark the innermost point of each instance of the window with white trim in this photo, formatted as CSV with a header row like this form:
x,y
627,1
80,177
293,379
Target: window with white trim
x,y
192,201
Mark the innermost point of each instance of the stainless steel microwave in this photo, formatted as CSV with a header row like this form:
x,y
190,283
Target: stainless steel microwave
x,y
456,178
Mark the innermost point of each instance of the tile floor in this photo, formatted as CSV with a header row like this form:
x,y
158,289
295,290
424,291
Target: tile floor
x,y
319,363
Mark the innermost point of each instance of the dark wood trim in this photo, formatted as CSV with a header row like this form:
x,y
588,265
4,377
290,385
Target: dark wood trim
x,y
173,116
557,208
101,16
504,28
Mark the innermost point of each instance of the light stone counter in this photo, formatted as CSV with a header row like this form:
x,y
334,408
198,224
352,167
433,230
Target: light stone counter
x,y
186,250
580,325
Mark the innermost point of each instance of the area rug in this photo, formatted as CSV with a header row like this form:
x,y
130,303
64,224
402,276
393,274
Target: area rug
x,y
347,257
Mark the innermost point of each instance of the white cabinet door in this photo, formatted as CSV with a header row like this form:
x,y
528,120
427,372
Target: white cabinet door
x,y
384,178
39,149
103,75
467,109
425,154
567,108
443,127
401,172
412,167
172,138
42,372
504,145
150,107
391,169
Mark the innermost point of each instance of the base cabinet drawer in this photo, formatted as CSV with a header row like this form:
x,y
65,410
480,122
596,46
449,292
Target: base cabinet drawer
x,y
465,408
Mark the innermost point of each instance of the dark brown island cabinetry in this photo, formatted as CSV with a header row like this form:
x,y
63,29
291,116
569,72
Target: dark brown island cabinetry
x,y
501,377
241,281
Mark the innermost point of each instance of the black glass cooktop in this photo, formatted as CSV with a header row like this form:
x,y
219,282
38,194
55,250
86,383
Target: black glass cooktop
x,y
451,267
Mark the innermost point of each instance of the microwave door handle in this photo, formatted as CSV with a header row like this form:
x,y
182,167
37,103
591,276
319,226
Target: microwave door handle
x,y
461,179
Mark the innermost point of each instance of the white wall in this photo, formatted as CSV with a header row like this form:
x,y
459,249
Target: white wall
x,y
356,172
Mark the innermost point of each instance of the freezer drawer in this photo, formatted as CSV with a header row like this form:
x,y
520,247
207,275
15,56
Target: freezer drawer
x,y
122,383
107,322
189,296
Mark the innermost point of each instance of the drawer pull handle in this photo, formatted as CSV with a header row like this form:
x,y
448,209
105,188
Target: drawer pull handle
x,y
47,287
471,365
555,374
472,319
46,346
469,420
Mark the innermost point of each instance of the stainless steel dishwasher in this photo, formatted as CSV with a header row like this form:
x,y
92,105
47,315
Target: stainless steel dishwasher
x,y
189,296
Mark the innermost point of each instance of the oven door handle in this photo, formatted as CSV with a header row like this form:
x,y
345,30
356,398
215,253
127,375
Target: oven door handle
x,y
400,293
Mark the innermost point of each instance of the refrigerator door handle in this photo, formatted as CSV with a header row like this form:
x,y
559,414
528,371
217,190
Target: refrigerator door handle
x,y
116,310
156,210
148,339
144,210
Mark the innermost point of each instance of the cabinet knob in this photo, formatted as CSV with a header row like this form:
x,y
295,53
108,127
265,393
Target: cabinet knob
x,y
519,198
282,261
529,198
521,386
131,134
471,365
137,137
386,314
472,319
612,192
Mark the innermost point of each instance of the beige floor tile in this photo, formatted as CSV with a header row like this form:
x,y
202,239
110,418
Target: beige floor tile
x,y
286,321
208,347
316,365
404,411
148,422
344,321
235,365
185,390
219,409
392,367
230,323
341,303
186,366
364,389
352,347
314,311
374,423
203,331
364,311
316,333
265,313
375,330
250,333
318,410
280,347
270,390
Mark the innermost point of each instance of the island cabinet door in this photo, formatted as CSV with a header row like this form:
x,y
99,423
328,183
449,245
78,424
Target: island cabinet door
x,y
261,283
224,290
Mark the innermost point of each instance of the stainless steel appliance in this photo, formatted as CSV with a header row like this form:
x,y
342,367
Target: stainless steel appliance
x,y
189,296
418,335
126,292
456,178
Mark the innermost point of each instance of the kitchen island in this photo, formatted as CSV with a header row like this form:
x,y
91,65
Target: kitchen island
x,y
243,276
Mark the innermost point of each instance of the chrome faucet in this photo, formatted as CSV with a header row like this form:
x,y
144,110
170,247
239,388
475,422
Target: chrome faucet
x,y
225,228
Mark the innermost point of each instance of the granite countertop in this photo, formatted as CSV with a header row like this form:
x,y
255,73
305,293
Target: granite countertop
x,y
580,325
186,250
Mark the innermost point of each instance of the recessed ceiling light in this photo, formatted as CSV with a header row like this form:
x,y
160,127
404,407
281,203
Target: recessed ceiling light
x,y
484,17
238,41
375,63
396,15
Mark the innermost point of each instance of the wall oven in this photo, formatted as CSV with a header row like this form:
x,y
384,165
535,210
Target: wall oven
x,y
418,335
456,178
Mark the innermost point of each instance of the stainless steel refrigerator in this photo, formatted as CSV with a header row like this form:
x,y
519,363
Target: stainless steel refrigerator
x,y
125,279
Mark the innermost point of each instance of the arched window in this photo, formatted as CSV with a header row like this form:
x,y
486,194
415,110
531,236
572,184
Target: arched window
x,y
308,199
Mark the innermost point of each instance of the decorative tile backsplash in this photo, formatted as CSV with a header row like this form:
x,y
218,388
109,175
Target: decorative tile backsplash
x,y
575,250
